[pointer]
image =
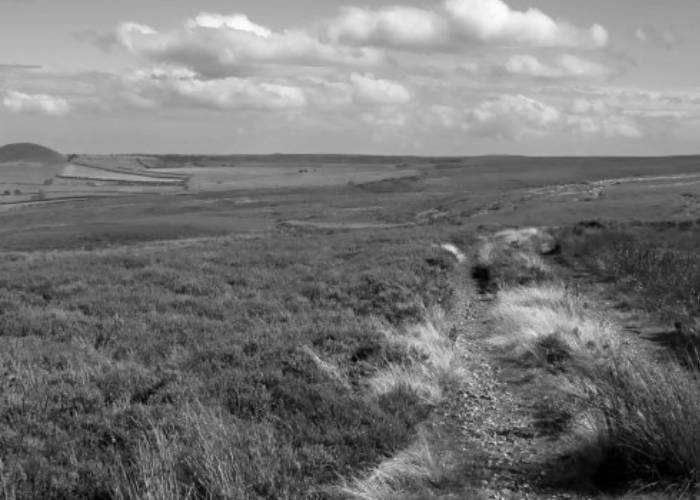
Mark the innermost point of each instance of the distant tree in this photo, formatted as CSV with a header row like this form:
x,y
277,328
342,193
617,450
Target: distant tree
x,y
17,192
7,192
48,182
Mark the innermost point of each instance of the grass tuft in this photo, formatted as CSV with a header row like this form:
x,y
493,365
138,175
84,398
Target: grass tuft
x,y
548,325
390,479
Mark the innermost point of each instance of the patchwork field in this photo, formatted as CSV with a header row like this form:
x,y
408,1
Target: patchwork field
x,y
317,327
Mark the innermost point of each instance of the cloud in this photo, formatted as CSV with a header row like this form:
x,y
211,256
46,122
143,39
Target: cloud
x,y
511,117
45,104
651,36
608,126
564,66
457,23
403,27
183,88
371,90
238,22
214,45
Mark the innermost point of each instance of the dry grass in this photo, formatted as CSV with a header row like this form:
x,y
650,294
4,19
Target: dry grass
x,y
153,472
635,420
391,479
645,418
551,324
222,457
432,362
332,370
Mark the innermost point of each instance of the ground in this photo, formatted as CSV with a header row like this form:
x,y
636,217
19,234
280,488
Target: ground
x,y
302,312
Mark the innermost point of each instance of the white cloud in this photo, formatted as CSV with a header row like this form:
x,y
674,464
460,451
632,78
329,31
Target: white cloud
x,y
512,116
564,66
495,22
457,23
238,22
371,90
215,45
582,106
45,104
181,87
397,26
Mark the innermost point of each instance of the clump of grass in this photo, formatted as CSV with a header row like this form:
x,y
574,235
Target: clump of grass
x,y
392,478
432,362
512,257
549,325
206,454
646,422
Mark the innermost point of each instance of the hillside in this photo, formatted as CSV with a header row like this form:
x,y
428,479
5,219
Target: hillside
x,y
26,163
30,153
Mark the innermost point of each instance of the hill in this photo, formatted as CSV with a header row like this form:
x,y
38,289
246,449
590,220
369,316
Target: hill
x,y
30,153
26,163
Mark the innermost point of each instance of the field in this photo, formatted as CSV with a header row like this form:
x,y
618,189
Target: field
x,y
352,327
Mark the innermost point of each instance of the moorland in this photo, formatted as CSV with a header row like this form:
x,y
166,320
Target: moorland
x,y
348,326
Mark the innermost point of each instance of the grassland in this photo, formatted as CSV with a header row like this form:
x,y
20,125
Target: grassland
x,y
130,368
289,341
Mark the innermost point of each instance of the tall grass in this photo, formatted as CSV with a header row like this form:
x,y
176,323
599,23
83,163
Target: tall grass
x,y
657,266
635,420
548,324
647,422
390,480
431,363
206,454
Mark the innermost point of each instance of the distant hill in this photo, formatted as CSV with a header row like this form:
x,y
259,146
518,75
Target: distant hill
x,y
26,163
30,153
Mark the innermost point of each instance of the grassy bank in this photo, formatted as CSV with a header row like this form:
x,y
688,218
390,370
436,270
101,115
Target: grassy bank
x,y
627,420
655,265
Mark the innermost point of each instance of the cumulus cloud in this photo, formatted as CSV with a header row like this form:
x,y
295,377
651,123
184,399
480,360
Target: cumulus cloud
x,y
371,90
564,66
45,104
182,87
495,21
215,45
456,23
398,26
512,116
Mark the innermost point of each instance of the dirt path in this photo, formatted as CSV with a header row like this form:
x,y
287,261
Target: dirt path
x,y
486,432
489,438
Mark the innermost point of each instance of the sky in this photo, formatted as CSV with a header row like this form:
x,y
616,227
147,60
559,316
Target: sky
x,y
445,77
